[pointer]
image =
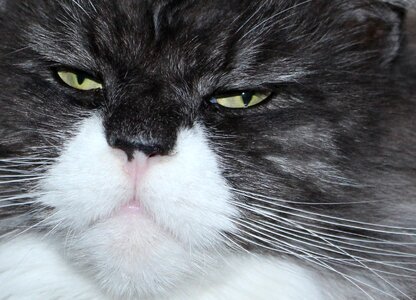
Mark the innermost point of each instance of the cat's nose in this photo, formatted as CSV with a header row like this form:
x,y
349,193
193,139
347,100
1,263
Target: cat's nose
x,y
136,126
129,146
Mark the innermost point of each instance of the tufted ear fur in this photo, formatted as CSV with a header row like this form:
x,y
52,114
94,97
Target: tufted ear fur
x,y
377,27
4,4
402,3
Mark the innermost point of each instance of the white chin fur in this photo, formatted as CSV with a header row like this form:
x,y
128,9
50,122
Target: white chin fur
x,y
32,268
186,205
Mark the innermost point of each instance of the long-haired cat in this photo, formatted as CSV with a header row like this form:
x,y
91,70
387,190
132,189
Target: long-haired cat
x,y
190,149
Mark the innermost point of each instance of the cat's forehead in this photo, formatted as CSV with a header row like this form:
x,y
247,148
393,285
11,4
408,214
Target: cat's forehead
x,y
125,29
155,37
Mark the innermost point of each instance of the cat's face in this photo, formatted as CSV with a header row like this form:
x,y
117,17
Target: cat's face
x,y
148,176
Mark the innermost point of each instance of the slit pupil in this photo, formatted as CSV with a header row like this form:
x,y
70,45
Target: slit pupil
x,y
80,78
246,96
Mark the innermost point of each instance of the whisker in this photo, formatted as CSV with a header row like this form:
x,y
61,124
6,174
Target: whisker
x,y
19,176
307,257
35,225
273,17
281,219
233,245
375,272
22,180
341,249
330,217
19,197
17,204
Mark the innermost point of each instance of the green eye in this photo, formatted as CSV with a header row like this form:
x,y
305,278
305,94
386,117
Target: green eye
x,y
79,81
241,100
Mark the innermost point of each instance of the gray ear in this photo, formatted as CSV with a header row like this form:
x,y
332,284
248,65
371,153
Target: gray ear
x,y
379,25
394,16
2,5
402,3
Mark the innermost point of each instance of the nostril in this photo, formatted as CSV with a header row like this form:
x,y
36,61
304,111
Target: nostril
x,y
129,146
152,154
122,145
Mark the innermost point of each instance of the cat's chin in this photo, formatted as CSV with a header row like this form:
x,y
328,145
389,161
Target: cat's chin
x,y
130,256
130,230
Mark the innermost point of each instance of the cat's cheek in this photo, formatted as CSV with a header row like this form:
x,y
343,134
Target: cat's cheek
x,y
87,182
188,195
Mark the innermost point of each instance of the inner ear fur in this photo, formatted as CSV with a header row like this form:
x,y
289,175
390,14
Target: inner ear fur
x,y
377,27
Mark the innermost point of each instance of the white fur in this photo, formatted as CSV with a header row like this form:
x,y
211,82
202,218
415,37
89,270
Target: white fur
x,y
249,277
35,271
173,245
32,269
185,203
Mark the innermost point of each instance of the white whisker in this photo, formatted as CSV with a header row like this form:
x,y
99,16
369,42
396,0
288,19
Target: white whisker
x,y
323,217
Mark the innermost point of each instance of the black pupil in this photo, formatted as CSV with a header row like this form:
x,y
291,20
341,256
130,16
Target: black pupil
x,y
81,78
247,96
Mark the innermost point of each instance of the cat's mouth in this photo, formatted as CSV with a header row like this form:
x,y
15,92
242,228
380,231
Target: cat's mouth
x,y
131,227
130,211
134,217
133,207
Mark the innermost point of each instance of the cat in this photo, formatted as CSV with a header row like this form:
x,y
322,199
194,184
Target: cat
x,y
195,149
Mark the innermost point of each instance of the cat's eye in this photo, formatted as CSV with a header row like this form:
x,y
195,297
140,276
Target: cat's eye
x,y
241,100
79,81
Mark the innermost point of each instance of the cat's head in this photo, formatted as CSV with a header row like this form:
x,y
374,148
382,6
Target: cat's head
x,y
148,137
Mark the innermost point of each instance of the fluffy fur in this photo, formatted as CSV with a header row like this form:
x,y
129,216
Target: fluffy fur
x,y
148,190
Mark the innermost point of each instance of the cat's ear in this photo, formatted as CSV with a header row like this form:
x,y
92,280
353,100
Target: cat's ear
x,y
378,26
3,5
